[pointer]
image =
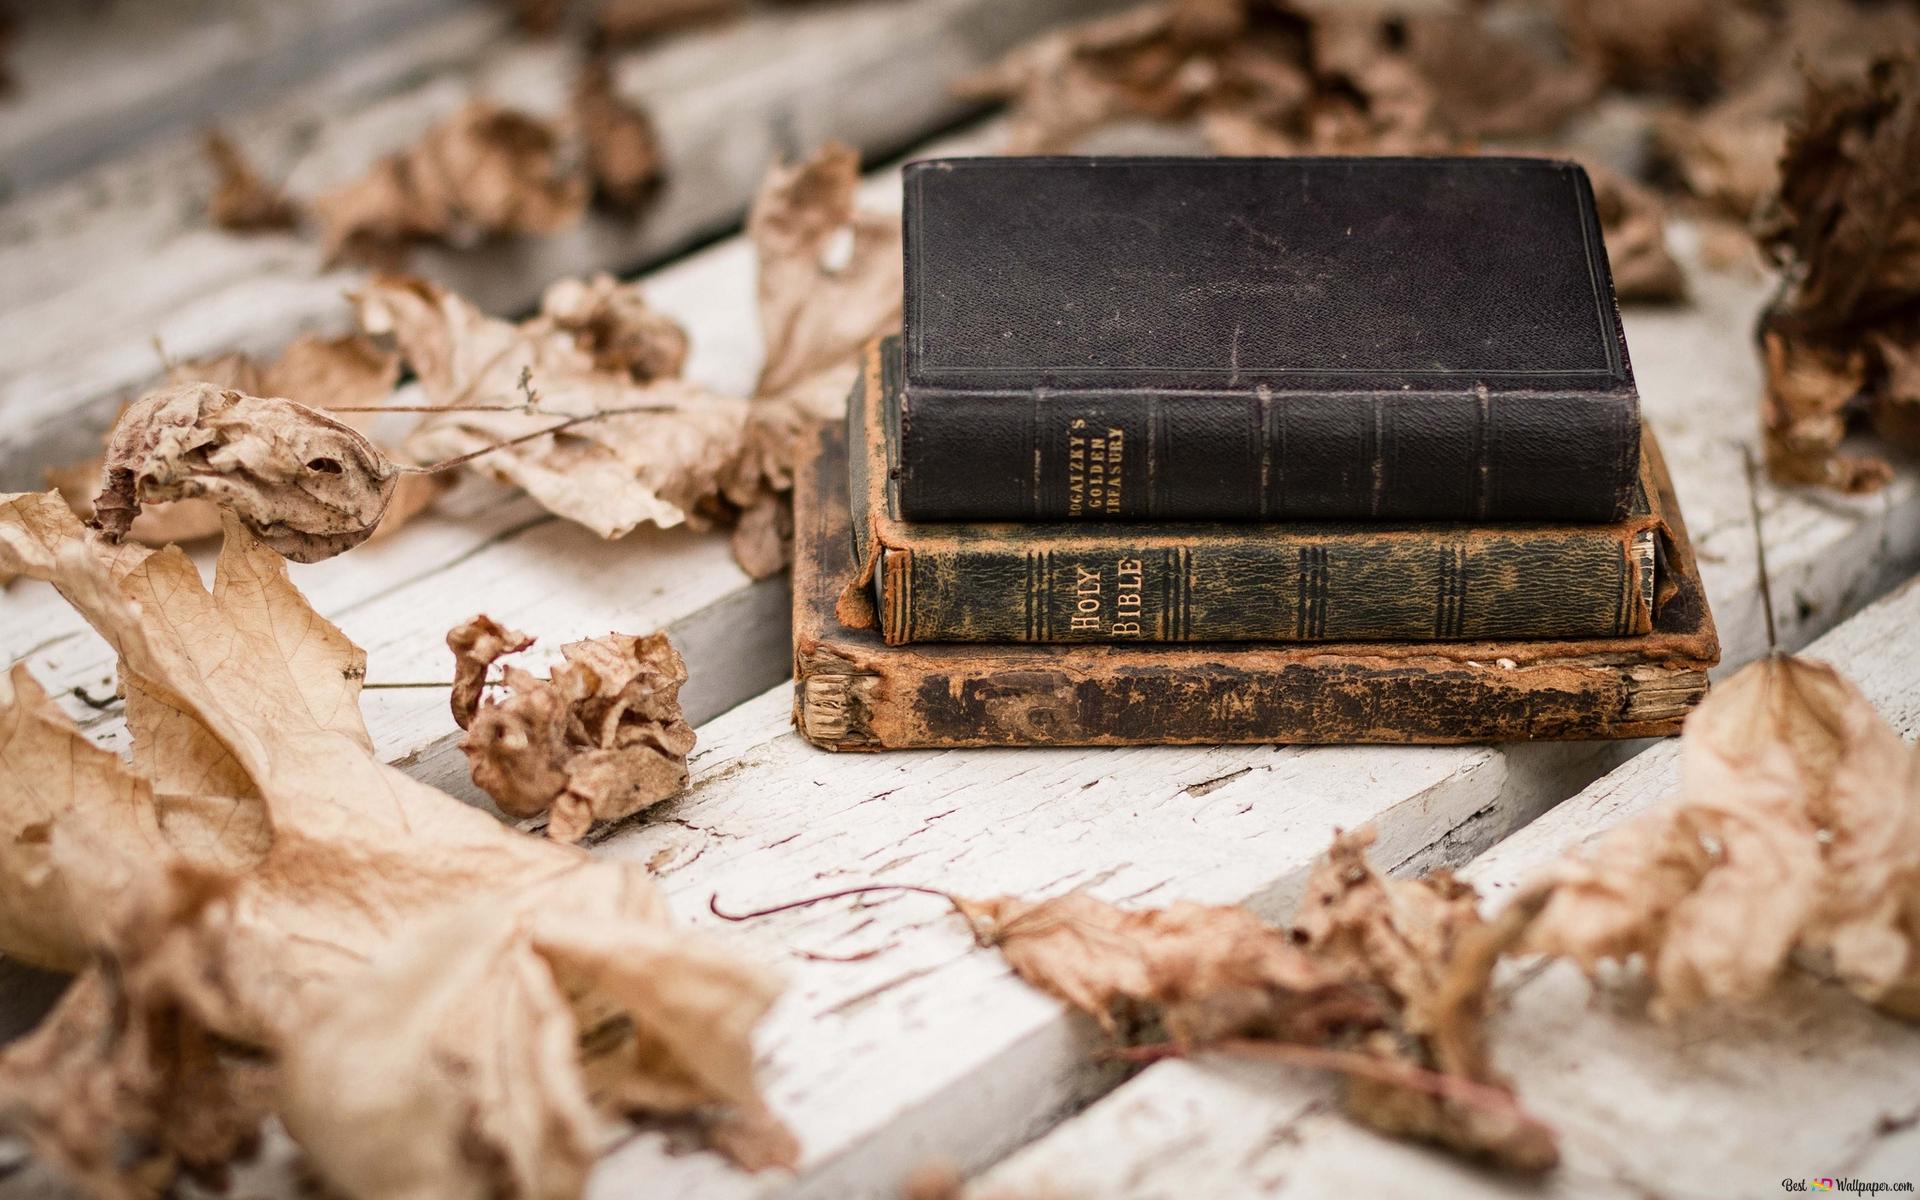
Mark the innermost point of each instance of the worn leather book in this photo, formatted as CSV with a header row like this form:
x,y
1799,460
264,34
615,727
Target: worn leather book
x,y
1222,582
1261,339
854,692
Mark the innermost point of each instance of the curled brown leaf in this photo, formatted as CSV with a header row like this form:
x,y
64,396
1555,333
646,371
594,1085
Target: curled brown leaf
x,y
1846,235
622,148
590,444
443,1007
1634,225
830,275
319,372
243,202
485,171
601,738
1796,831
612,322
1386,981
303,483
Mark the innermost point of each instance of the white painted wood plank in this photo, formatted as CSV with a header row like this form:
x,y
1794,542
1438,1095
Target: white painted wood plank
x,y
96,79
1812,1084
929,1046
94,269
483,548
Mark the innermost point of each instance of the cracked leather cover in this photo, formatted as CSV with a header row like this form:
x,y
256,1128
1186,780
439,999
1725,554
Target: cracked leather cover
x,y
1262,339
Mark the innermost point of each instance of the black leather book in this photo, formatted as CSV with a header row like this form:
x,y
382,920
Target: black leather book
x,y
1297,581
1261,339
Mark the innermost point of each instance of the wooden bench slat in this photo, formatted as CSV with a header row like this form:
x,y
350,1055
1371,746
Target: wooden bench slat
x,y
1813,1083
93,86
95,268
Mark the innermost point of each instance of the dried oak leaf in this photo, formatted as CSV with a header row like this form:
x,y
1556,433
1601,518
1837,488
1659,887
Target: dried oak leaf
x,y
1840,332
593,445
1796,831
622,146
303,483
243,202
447,1008
602,737
485,171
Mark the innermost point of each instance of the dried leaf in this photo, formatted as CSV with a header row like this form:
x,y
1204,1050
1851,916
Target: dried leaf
x,y
448,1008
1488,83
623,152
600,739
1393,976
598,449
303,483
157,524
1796,830
242,201
830,275
1635,227
1847,238
485,171
612,322
1689,48
539,17
1199,972
319,372
1425,946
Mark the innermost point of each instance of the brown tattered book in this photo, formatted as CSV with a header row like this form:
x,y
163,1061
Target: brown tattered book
x,y
854,692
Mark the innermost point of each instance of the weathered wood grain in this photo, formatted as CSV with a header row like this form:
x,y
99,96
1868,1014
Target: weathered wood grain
x,y
1813,1083
485,548
93,270
96,80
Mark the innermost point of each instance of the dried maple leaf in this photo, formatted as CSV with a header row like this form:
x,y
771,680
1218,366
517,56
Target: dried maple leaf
x,y
242,201
1796,830
623,152
447,1008
613,323
1847,239
314,370
1388,980
599,739
484,171
830,276
1199,972
592,445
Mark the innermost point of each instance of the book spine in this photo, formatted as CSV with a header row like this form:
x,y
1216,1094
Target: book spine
x,y
1229,585
1258,454
861,702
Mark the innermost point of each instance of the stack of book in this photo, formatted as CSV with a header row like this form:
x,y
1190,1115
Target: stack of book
x,y
1245,450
